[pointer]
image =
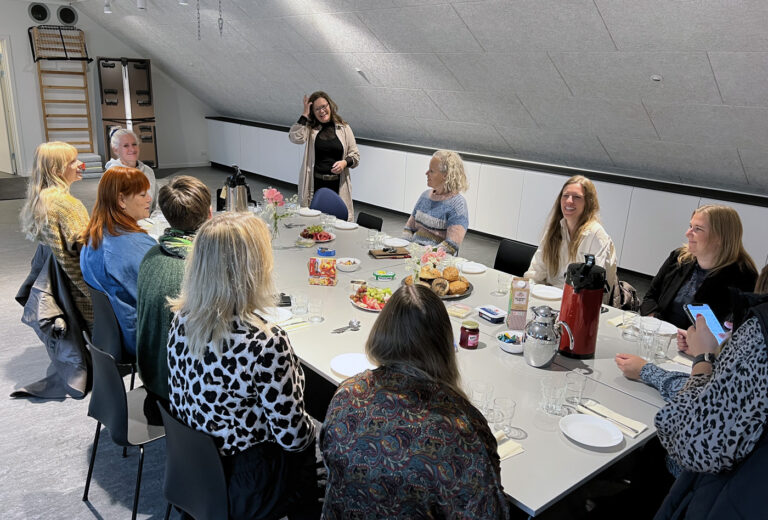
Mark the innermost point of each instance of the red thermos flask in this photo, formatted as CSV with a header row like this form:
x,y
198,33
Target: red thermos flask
x,y
580,307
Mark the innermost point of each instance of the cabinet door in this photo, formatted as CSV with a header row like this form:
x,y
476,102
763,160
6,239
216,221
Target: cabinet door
x,y
223,142
539,193
656,225
499,192
380,177
614,209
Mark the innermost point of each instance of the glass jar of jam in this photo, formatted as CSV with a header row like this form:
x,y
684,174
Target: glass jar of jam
x,y
470,334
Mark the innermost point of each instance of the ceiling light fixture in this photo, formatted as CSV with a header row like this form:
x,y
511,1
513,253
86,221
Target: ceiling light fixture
x,y
107,7
141,5
183,2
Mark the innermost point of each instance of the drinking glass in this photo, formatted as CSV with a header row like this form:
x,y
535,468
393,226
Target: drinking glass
x,y
630,326
574,387
316,310
371,240
481,393
661,342
299,304
502,284
648,337
503,412
552,391
380,238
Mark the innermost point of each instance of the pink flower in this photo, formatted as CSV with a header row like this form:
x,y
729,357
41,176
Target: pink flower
x,y
272,196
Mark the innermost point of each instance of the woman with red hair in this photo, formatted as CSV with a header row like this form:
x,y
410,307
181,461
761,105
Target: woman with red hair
x,y
115,244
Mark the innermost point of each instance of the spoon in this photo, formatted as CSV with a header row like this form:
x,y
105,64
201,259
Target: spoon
x,y
353,325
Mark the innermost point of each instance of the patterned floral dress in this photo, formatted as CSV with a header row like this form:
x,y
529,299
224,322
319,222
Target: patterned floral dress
x,y
397,445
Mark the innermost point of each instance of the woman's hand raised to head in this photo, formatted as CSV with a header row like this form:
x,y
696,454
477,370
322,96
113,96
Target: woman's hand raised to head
x,y
307,107
630,365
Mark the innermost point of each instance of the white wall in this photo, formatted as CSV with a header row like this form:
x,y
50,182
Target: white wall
x,y
181,130
507,202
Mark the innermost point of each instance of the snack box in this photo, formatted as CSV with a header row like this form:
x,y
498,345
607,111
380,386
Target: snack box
x,y
459,310
491,313
325,267
325,251
384,275
322,280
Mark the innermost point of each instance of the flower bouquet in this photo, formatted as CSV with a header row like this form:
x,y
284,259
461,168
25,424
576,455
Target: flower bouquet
x,y
273,208
424,255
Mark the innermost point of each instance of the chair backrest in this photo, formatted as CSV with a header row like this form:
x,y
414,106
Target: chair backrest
x,y
369,221
106,329
514,257
328,201
109,404
194,475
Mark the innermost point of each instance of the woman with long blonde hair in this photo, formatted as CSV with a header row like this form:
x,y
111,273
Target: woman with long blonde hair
x,y
52,216
234,376
573,230
115,244
391,430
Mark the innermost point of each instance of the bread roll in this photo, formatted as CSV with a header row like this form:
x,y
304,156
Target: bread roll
x,y
429,273
451,274
440,286
458,287
408,280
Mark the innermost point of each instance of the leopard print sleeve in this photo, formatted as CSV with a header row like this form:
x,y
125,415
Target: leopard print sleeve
x,y
715,421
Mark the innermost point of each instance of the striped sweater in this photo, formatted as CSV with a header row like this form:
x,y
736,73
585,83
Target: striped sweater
x,y
438,220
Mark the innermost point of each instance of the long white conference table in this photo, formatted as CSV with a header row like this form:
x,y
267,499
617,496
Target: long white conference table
x,y
551,465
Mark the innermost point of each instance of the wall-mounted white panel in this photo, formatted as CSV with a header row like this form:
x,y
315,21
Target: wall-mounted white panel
x,y
278,157
223,142
472,170
753,220
656,225
499,193
249,155
416,166
614,209
380,177
539,193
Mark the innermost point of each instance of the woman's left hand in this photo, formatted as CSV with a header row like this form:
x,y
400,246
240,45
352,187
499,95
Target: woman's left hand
x,y
338,166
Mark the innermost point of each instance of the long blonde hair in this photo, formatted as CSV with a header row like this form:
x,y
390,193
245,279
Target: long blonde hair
x,y
553,236
724,227
51,161
414,330
228,276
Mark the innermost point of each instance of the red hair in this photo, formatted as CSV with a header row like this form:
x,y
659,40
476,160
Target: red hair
x,y
107,212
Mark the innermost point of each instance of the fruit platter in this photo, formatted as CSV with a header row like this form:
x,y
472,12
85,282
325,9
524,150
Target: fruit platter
x,y
317,233
370,298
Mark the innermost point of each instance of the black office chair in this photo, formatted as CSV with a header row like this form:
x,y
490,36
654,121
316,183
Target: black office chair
x,y
194,476
107,335
121,412
514,257
369,221
328,201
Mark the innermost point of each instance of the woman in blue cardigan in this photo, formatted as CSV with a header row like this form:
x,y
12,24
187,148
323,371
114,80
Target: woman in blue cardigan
x,y
115,244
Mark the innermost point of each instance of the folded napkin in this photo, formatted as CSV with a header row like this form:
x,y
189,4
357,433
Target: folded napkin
x,y
625,424
507,448
293,324
682,360
400,252
618,321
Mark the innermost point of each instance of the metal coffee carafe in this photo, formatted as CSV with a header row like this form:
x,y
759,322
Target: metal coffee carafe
x,y
542,336
235,192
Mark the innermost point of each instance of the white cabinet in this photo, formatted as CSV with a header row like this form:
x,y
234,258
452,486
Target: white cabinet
x,y
223,142
499,195
656,225
539,193
380,177
614,210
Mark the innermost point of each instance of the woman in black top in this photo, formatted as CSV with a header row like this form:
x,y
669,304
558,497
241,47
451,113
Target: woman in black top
x,y
701,271
330,150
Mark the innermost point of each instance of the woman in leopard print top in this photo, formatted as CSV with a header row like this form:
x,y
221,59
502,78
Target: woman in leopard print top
x,y
235,377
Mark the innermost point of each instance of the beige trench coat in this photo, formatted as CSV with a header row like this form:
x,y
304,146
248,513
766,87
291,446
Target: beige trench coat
x,y
303,134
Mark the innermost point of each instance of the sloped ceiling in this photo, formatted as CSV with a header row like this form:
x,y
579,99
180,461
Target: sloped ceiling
x,y
663,89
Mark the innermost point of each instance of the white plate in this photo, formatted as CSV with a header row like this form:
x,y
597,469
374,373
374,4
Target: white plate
x,y
396,242
590,430
341,266
472,268
547,292
350,364
277,314
343,224
665,328
306,212
333,237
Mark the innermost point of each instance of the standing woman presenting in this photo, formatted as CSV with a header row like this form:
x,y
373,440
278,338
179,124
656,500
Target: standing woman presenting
x,y
52,216
330,150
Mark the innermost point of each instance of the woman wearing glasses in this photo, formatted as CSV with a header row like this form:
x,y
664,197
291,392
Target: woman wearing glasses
x,y
330,150
573,231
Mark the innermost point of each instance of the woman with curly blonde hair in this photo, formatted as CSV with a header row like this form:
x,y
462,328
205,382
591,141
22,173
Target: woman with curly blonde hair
x,y
574,230
440,217
52,216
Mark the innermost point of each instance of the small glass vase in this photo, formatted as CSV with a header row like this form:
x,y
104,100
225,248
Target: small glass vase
x,y
275,228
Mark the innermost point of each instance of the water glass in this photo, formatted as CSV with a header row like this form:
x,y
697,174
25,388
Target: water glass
x,y
574,387
316,310
630,322
552,392
380,238
662,342
648,338
481,393
504,410
502,284
371,240
299,304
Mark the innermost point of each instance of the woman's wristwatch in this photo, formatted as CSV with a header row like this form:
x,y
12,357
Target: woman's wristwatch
x,y
709,357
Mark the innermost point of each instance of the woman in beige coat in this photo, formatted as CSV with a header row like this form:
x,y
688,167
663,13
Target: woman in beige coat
x,y
330,150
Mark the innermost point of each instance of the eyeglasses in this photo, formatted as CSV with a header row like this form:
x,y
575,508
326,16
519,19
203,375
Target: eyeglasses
x,y
324,108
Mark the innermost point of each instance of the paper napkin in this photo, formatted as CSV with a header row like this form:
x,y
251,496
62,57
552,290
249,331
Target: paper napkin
x,y
625,424
507,447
